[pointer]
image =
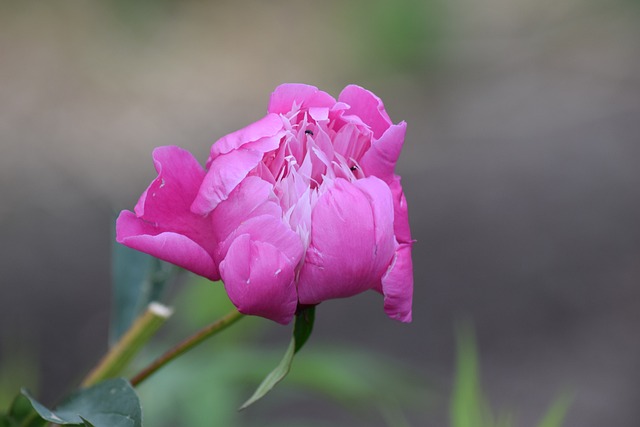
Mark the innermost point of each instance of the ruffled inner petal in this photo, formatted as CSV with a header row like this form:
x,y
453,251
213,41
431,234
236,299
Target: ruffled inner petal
x,y
225,173
252,197
263,135
290,96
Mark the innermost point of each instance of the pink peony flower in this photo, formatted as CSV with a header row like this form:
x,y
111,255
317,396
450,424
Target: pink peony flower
x,y
297,208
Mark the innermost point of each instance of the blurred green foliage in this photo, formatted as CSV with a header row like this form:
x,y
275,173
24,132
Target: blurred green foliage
x,y
403,35
470,407
206,386
301,331
18,368
141,17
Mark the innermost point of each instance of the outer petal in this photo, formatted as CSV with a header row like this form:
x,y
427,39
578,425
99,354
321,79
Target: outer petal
x,y
169,246
269,229
259,280
400,212
378,195
380,159
163,225
175,187
304,96
352,241
368,107
397,285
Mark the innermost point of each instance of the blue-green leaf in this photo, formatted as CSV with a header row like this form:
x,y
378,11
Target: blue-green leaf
x,y
138,279
111,403
301,332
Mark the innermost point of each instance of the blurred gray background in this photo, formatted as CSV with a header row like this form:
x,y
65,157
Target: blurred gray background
x,y
520,168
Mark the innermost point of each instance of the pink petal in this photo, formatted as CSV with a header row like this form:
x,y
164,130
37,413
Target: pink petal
x,y
175,187
259,280
303,96
319,114
380,159
368,107
169,246
270,229
400,212
397,285
163,225
263,135
352,241
233,158
252,197
381,200
345,141
225,172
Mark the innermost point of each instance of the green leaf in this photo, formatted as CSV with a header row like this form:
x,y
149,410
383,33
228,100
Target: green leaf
x,y
301,332
138,279
21,414
17,367
111,403
120,355
6,421
349,381
303,326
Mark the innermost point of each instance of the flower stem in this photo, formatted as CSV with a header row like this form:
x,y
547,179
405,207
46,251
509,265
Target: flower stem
x,y
117,359
186,345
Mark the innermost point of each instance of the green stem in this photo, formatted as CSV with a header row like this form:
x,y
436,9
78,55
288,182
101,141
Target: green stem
x,y
186,345
117,359
27,421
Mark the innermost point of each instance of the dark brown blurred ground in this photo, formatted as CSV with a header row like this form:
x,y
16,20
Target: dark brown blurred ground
x,y
520,168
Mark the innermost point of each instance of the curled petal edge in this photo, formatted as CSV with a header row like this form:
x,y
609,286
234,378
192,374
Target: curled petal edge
x,y
397,285
169,246
368,107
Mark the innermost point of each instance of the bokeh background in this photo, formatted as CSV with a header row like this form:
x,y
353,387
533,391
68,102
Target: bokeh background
x,y
521,169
